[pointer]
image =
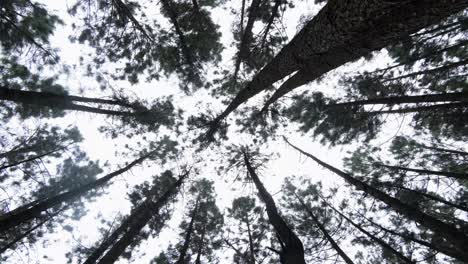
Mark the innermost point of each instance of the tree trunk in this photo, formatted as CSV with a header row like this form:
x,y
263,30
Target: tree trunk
x,y
429,71
293,251
452,234
246,36
185,246
429,196
324,231
380,241
461,176
340,33
138,222
393,100
274,13
27,233
435,246
457,152
200,246
428,108
15,217
182,41
251,245
30,159
65,102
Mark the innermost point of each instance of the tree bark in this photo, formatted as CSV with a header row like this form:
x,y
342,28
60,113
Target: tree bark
x,y
380,241
293,251
461,176
16,217
340,33
452,234
427,108
65,102
324,231
139,221
30,159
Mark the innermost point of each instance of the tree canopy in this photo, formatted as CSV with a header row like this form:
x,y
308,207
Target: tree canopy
x,y
248,132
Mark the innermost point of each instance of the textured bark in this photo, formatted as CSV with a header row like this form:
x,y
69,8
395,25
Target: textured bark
x,y
16,217
379,241
293,250
65,102
139,221
393,100
461,176
343,32
324,231
450,233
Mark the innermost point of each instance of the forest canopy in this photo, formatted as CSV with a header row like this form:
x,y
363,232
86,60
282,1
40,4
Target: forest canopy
x,y
248,132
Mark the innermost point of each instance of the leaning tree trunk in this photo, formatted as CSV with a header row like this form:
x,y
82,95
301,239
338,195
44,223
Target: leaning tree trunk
x,y
251,245
393,100
324,231
64,102
435,246
139,221
293,251
16,217
452,234
379,241
345,31
461,176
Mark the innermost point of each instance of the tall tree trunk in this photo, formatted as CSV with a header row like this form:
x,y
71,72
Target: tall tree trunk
x,y
139,221
452,234
30,159
452,151
380,241
428,109
392,100
251,245
429,71
28,232
274,13
246,36
65,102
340,33
188,235
461,176
429,196
441,247
182,40
324,231
242,18
293,251
125,11
16,217
200,246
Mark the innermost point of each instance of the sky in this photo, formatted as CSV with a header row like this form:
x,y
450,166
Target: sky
x,y
289,162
